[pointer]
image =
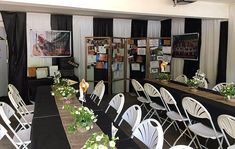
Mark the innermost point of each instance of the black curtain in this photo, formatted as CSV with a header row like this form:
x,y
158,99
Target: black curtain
x,y
15,26
102,27
192,26
62,22
139,28
223,46
166,28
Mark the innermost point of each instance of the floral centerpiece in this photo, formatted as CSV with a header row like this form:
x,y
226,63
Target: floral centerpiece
x,y
193,83
228,91
64,91
164,76
83,118
100,141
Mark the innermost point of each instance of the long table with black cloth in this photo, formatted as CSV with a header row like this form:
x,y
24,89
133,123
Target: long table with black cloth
x,y
49,125
211,100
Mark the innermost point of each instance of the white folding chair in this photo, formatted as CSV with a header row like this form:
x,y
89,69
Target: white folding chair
x,y
132,116
94,93
203,84
22,135
139,88
99,93
181,147
150,133
181,78
151,91
22,106
117,102
227,124
26,116
173,116
219,86
196,109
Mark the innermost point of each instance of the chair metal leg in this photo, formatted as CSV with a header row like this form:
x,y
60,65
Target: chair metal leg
x,y
147,114
155,111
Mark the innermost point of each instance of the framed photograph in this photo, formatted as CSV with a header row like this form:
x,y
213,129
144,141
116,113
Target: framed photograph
x,y
42,72
50,43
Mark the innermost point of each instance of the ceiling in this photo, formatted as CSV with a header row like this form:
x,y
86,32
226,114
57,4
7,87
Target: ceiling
x,y
220,1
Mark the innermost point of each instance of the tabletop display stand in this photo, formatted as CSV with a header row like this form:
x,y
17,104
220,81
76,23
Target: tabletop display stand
x,y
158,51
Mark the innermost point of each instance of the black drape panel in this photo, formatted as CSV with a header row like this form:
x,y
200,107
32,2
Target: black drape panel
x,y
139,28
62,22
192,26
15,26
102,27
223,46
166,28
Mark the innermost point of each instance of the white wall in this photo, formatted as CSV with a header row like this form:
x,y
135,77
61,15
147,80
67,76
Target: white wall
x,y
164,8
231,46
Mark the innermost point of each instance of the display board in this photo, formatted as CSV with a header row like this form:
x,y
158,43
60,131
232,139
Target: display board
x,y
158,51
186,46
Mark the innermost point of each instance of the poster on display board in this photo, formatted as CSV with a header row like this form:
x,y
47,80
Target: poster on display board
x,y
50,43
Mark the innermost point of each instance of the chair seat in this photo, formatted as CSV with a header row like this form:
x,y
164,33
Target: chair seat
x,y
204,131
156,106
231,147
24,136
175,116
142,99
28,118
30,108
181,147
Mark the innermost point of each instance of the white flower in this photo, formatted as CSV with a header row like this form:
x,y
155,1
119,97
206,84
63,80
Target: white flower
x,y
77,112
112,143
63,94
87,128
52,94
91,126
102,147
85,108
92,117
95,120
98,138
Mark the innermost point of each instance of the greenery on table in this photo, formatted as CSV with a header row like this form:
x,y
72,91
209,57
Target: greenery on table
x,y
100,141
64,91
228,90
164,76
83,118
194,83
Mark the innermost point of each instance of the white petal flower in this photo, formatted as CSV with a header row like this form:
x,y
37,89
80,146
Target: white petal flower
x,y
112,143
87,128
102,147
98,138
76,112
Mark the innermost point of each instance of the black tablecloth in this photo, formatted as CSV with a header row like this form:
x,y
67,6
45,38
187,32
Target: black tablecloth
x,y
47,130
45,104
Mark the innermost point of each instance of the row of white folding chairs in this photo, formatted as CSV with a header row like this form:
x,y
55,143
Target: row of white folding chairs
x,y
175,116
153,137
21,134
98,92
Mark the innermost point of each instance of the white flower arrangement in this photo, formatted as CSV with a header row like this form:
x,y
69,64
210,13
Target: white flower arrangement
x,y
100,141
83,118
64,91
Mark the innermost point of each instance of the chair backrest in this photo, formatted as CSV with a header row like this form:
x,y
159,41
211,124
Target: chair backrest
x,y
100,93
137,86
151,91
94,93
117,102
167,98
132,116
203,84
150,133
13,89
227,124
181,78
195,108
219,86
